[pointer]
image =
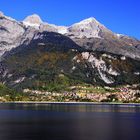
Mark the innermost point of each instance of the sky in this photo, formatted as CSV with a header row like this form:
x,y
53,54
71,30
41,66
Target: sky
x,y
120,16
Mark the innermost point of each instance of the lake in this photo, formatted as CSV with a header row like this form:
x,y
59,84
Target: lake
x,y
69,122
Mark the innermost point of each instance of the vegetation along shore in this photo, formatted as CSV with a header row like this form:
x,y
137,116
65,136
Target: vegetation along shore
x,y
79,93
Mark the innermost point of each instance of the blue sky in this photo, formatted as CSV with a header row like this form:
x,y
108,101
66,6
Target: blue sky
x,y
121,16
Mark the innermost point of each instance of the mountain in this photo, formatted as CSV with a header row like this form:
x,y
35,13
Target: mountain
x,y
10,33
94,36
33,20
35,53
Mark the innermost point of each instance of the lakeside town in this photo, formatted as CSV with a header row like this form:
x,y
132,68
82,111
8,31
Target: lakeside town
x,y
88,93
92,94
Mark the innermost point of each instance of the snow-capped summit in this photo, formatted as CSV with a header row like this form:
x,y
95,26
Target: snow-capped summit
x,y
33,20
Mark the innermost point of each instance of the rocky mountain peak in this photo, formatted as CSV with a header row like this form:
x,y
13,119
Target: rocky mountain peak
x,y
86,28
33,20
10,33
90,20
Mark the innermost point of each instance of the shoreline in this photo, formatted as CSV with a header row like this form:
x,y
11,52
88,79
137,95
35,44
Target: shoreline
x,y
89,103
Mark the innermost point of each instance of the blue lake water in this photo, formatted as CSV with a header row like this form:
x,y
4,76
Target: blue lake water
x,y
69,122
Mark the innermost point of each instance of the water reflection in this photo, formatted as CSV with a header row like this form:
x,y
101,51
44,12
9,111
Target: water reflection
x,y
69,122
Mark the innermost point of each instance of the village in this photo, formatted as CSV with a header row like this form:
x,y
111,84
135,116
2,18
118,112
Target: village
x,y
125,94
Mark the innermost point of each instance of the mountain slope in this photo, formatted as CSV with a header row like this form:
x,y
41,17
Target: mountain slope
x,y
10,33
51,55
35,54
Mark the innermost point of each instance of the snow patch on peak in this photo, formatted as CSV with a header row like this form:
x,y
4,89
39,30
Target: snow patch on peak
x,y
31,24
54,28
62,29
119,35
